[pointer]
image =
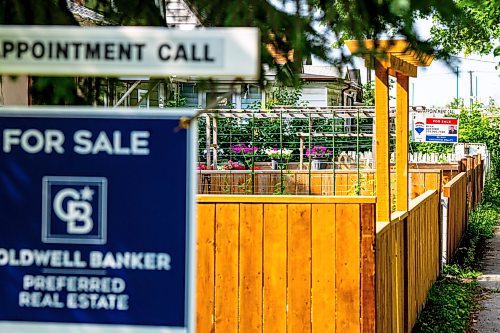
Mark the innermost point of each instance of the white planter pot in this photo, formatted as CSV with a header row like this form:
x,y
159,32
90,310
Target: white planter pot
x,y
318,164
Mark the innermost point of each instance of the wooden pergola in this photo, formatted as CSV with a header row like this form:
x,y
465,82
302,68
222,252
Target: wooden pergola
x,y
394,58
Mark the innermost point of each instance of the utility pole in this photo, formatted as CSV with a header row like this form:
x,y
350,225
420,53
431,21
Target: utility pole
x,y
471,91
369,71
476,90
457,84
413,93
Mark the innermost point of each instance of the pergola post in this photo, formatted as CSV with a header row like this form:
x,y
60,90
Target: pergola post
x,y
207,144
396,58
382,155
402,110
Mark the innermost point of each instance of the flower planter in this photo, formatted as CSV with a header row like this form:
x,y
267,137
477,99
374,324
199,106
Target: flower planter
x,y
277,164
317,164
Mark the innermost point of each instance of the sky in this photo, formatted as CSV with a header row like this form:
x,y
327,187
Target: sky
x,y
436,85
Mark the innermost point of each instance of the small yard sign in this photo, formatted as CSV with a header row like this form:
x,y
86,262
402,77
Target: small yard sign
x,y
435,129
96,223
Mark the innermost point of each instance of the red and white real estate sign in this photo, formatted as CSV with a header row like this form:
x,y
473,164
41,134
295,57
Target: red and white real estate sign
x,y
435,129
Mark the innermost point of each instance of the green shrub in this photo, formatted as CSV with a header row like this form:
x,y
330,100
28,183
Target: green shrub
x,y
491,191
482,221
451,298
449,303
458,271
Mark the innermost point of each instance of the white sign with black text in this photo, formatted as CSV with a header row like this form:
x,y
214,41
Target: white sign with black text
x,y
119,51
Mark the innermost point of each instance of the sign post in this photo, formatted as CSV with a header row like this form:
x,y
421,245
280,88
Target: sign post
x,y
96,221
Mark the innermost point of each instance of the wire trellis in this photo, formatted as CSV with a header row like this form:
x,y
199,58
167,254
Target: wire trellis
x,y
312,151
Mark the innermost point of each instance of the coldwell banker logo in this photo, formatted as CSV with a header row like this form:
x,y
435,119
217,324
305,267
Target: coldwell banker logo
x,y
74,210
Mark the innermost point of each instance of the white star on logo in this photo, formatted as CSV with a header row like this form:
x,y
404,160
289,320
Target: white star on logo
x,y
87,193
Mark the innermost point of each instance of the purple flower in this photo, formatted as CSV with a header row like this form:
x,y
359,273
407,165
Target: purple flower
x,y
242,148
318,152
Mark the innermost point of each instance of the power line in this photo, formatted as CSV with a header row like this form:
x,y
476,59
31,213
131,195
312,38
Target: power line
x,y
489,61
461,72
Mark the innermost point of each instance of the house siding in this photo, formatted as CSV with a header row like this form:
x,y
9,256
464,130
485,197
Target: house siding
x,y
314,95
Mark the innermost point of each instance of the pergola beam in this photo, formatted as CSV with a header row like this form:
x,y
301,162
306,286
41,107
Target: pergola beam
x,y
298,113
396,64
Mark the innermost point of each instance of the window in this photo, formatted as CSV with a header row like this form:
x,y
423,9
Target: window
x,y
219,100
251,97
142,98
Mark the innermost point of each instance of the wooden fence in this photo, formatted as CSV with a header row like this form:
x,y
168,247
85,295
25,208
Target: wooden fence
x,y
407,263
462,194
321,263
303,182
474,167
455,217
285,264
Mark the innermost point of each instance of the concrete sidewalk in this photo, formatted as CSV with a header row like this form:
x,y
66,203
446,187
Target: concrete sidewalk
x,y
488,319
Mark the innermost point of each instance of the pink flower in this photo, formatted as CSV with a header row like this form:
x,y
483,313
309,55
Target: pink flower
x,y
318,152
242,148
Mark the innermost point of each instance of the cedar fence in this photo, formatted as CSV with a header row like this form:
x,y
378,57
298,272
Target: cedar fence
x,y
321,263
460,195
286,264
303,182
407,263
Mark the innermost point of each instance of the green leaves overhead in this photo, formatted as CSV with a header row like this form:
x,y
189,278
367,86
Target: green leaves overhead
x,y
308,27
56,12
474,28
35,12
296,30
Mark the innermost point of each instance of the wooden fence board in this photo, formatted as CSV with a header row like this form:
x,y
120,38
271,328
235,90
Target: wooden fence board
x,y
382,277
273,261
316,186
205,282
295,182
347,277
275,267
323,268
353,186
250,276
455,191
307,263
299,268
368,307
226,268
407,263
341,184
327,183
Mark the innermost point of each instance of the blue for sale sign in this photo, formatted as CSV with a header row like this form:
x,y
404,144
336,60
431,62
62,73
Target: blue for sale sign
x,y
96,221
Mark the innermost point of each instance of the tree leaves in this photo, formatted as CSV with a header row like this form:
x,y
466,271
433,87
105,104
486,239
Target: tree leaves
x,y
306,28
474,28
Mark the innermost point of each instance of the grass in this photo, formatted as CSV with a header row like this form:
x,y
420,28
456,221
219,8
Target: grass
x,y
453,297
449,304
